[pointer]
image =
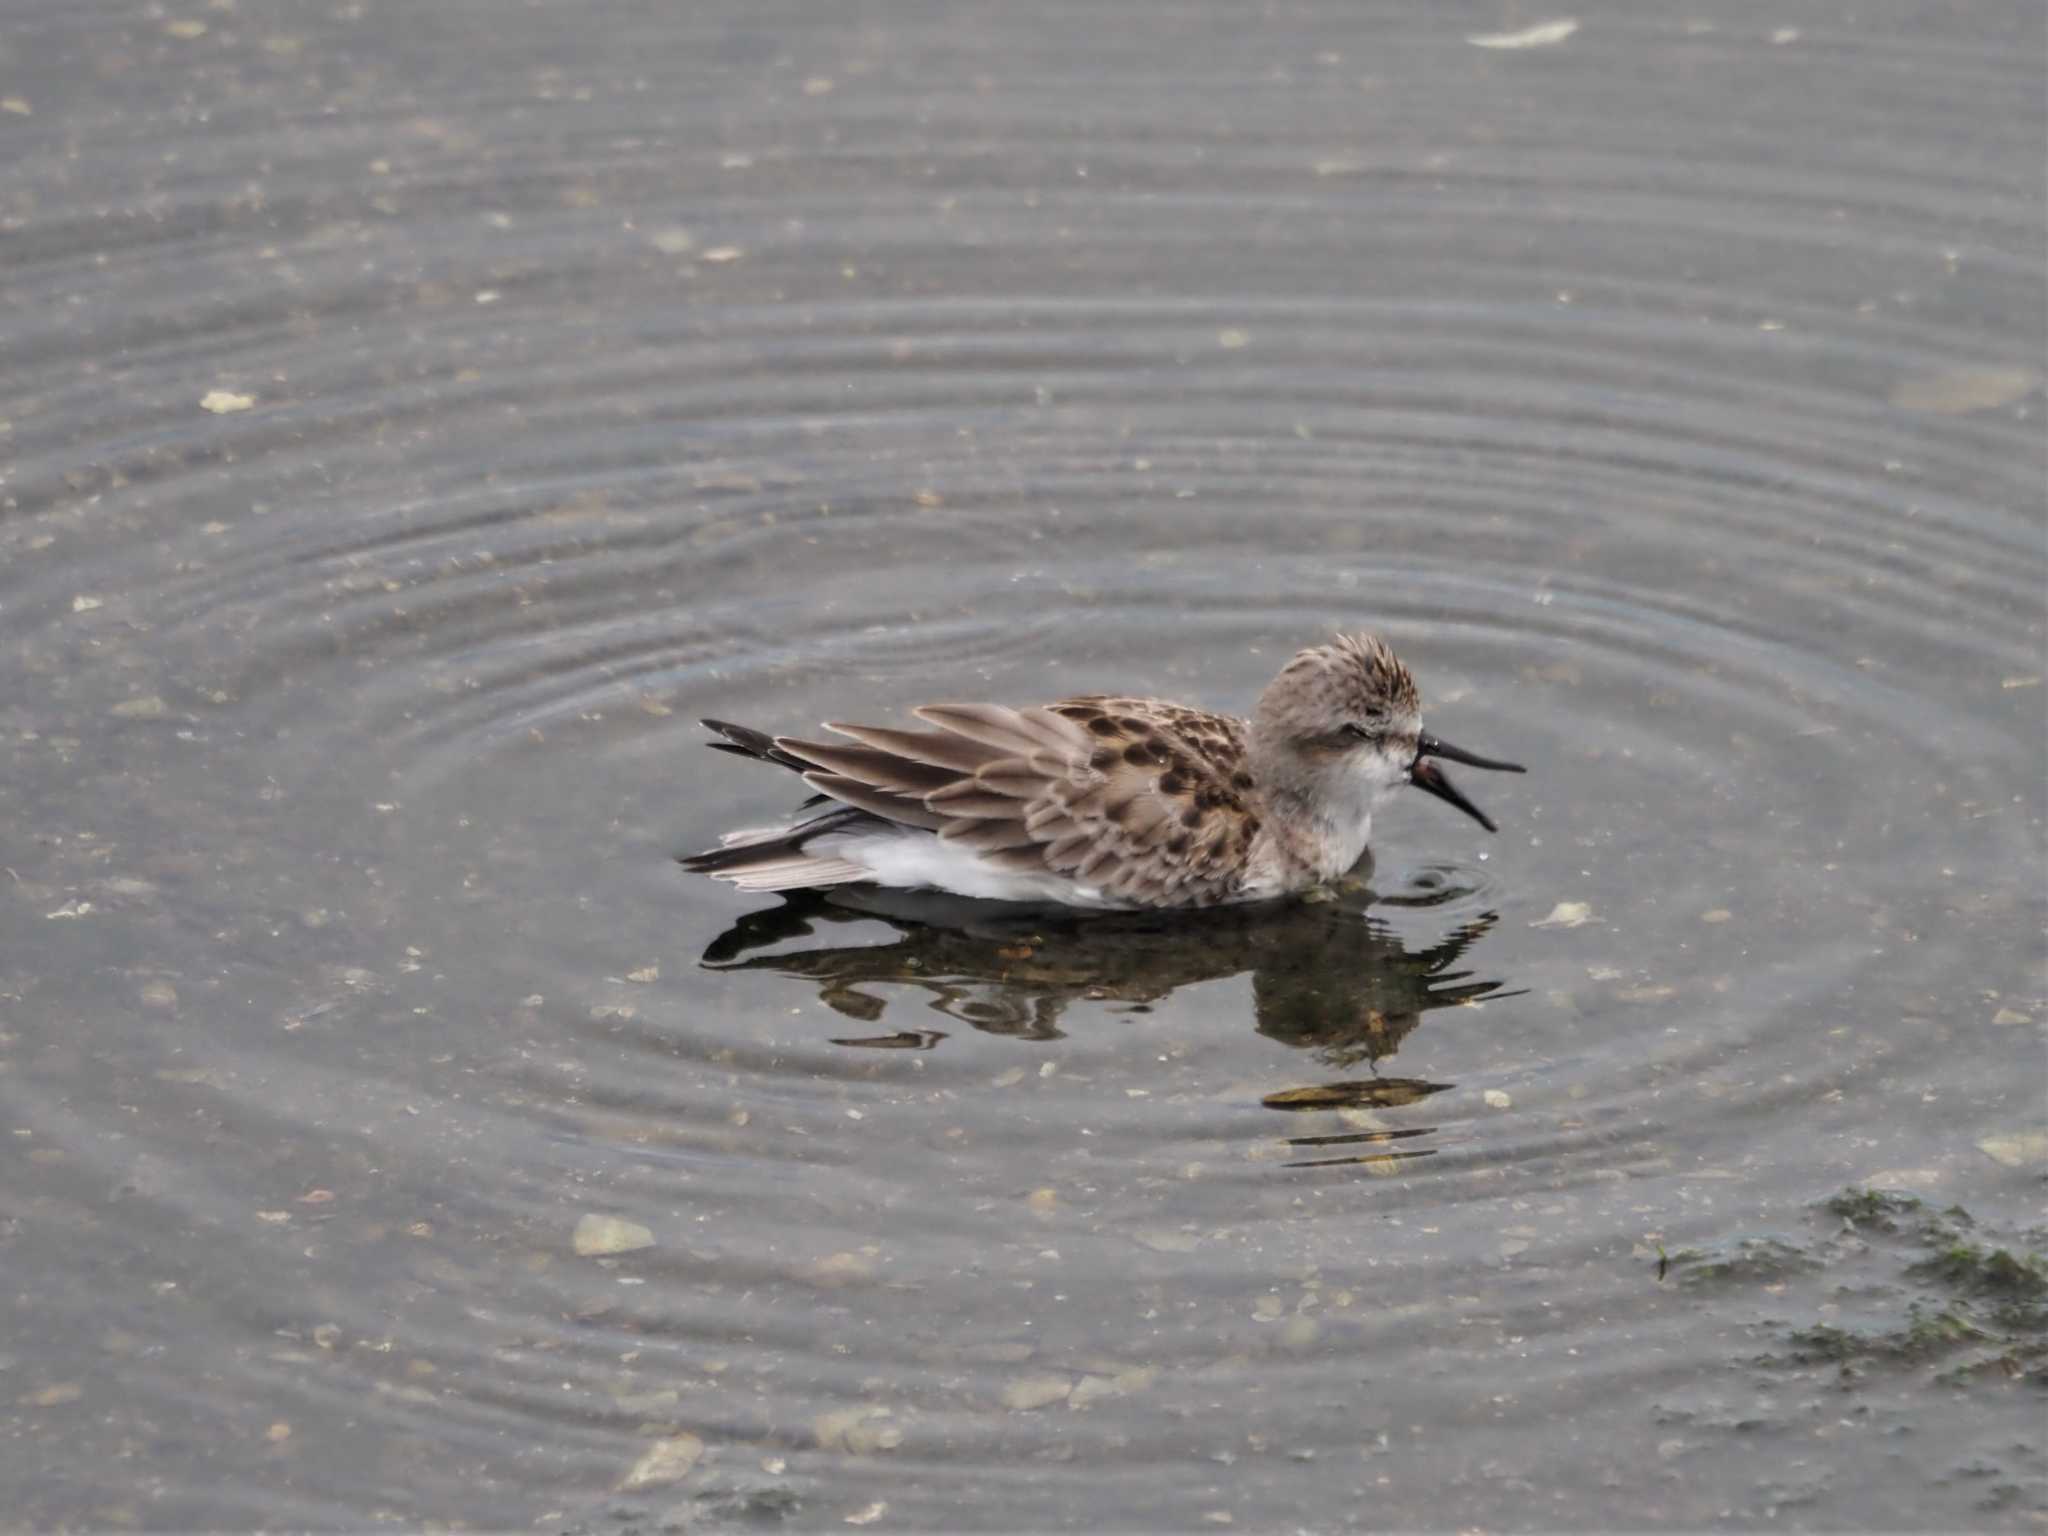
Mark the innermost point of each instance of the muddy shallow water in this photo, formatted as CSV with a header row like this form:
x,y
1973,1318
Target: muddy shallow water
x,y
415,418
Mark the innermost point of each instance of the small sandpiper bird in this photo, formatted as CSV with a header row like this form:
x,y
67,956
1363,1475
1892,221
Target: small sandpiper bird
x,y
1106,802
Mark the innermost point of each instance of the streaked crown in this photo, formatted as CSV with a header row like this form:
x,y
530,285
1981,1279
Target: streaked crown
x,y
1355,678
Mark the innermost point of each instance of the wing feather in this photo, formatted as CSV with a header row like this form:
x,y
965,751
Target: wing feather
x,y
1068,850
796,873
885,770
880,802
1147,802
1013,732
938,749
968,798
988,835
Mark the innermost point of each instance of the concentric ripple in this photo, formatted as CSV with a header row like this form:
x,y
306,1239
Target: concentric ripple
x,y
416,421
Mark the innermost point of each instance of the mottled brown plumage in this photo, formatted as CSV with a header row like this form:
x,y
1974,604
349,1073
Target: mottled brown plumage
x,y
1145,803
1103,800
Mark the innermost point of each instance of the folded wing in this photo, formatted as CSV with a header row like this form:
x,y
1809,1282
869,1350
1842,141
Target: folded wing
x,y
1145,804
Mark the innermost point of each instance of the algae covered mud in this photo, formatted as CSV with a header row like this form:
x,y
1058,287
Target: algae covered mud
x,y
417,417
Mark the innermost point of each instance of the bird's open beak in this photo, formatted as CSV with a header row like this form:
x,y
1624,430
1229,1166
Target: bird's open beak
x,y
1424,774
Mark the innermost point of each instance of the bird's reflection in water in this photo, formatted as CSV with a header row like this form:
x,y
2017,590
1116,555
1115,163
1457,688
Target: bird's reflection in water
x,y
1328,977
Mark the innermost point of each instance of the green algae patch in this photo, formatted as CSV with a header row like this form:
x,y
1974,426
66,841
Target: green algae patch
x,y
1993,1273
1748,1261
1886,1283
1880,1210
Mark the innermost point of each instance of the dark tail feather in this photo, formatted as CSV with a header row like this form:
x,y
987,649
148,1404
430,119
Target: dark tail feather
x,y
759,747
745,741
712,860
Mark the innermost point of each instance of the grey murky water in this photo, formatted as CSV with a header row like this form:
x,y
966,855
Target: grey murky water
x,y
414,417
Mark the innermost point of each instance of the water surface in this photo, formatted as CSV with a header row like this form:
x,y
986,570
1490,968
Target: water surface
x,y
416,417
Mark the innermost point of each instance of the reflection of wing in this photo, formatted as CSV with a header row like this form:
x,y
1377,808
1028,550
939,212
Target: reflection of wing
x,y
1325,976
1144,802
1378,1093
1327,980
902,1040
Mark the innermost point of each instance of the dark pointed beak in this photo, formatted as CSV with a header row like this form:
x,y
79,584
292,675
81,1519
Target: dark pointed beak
x,y
1424,774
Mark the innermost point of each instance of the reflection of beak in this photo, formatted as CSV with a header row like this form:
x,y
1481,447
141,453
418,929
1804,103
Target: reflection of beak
x,y
1424,774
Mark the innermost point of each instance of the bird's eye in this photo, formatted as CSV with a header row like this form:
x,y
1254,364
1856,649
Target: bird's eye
x,y
1369,733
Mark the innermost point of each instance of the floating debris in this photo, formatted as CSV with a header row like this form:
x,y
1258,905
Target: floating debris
x,y
858,1431
2018,1150
1566,914
1029,1392
1959,391
1088,1389
608,1234
666,1461
225,402
839,1269
647,1405
1545,34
